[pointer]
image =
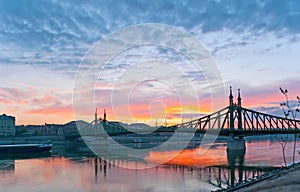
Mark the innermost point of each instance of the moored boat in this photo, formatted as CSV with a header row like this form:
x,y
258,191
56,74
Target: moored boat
x,y
25,148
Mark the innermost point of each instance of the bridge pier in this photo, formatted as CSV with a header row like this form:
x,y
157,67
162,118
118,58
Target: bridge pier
x,y
236,150
236,144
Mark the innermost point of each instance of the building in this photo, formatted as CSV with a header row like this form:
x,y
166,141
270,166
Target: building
x,y
52,129
68,129
7,125
28,130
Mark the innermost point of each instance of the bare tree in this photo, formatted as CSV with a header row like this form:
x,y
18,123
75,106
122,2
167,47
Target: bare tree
x,y
288,110
283,142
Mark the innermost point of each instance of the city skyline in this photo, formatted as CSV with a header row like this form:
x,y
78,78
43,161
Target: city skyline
x,y
254,44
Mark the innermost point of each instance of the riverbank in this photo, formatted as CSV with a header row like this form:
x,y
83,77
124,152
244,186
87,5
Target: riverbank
x,y
286,180
31,139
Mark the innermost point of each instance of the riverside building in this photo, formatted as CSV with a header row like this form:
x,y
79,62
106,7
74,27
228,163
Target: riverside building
x,y
7,125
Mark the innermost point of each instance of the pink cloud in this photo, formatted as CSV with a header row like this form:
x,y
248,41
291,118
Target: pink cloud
x,y
268,94
46,99
53,110
5,101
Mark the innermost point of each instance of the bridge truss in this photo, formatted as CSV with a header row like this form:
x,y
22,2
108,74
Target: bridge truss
x,y
236,120
233,120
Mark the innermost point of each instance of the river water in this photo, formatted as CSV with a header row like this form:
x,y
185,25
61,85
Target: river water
x,y
71,168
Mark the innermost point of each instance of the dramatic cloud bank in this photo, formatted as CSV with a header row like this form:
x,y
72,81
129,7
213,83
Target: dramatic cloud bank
x,y
255,43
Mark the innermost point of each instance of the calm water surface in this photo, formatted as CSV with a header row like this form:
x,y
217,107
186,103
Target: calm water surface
x,y
190,171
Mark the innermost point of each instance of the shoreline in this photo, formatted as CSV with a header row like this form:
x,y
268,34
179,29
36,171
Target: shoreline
x,y
33,139
288,180
284,179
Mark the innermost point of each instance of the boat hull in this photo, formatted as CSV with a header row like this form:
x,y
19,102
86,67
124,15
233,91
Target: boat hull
x,y
25,148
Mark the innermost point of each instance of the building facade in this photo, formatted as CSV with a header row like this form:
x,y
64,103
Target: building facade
x,y
52,129
7,125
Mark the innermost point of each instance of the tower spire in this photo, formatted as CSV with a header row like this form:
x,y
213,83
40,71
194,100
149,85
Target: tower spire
x,y
230,97
104,115
239,98
96,118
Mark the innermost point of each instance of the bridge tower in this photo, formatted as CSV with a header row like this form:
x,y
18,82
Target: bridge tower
x,y
239,99
230,97
231,109
235,111
239,111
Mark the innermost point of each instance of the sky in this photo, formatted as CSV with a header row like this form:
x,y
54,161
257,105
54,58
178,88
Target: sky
x,y
255,45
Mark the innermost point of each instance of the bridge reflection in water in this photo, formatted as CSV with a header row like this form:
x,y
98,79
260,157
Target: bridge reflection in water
x,y
227,173
189,171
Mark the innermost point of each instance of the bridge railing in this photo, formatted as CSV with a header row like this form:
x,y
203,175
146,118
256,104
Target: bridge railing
x,y
253,120
215,121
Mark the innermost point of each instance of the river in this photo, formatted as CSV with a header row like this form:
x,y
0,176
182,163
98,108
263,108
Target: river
x,y
72,168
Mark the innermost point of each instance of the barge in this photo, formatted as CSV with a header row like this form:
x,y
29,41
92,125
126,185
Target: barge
x,y
25,148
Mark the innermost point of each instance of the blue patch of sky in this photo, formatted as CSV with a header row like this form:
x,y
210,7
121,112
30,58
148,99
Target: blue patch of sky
x,y
65,30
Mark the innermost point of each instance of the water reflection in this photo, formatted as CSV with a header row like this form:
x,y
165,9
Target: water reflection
x,y
78,170
213,167
236,161
220,175
13,156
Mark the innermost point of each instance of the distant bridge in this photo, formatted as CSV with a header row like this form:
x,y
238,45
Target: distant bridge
x,y
233,120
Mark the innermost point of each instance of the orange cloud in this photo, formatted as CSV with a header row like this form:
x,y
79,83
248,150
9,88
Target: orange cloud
x,y
59,115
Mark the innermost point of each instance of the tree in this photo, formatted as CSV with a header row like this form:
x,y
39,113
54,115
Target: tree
x,y
288,110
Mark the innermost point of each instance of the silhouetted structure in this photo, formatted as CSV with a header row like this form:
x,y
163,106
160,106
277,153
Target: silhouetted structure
x,y
7,125
233,120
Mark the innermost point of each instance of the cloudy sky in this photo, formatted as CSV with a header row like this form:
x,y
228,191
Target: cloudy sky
x,y
42,43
